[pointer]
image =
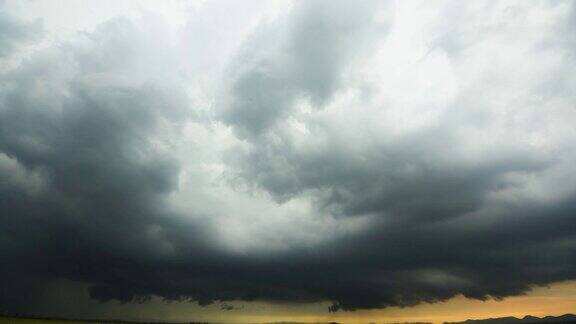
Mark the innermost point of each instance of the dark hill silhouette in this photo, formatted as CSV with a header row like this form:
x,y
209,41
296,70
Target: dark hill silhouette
x,y
528,319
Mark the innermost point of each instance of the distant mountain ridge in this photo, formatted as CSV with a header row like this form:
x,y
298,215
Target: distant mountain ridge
x,y
528,319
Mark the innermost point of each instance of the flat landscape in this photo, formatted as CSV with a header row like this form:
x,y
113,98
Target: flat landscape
x,y
13,320
21,320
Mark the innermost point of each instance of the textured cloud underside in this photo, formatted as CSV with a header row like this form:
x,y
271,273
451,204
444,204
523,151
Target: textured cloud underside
x,y
370,154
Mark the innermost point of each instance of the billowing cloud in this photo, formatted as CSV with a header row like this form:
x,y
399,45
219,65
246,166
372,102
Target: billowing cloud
x,y
15,32
302,56
367,154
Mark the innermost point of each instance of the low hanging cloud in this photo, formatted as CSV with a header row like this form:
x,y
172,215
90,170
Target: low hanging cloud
x,y
370,155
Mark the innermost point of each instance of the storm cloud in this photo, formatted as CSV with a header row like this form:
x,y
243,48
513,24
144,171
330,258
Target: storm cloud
x,y
369,154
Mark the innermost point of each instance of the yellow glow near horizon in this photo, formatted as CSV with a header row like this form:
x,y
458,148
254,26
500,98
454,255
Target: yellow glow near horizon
x,y
555,300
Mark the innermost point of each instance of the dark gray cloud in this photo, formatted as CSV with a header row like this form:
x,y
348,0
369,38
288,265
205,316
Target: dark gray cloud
x,y
343,180
83,178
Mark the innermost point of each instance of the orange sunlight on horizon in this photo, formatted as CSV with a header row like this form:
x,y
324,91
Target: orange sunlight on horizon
x,y
557,299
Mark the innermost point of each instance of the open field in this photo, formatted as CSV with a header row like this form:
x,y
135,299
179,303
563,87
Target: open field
x,y
22,320
13,320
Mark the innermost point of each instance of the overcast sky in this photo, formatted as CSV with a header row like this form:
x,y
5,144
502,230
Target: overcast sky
x,y
357,155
